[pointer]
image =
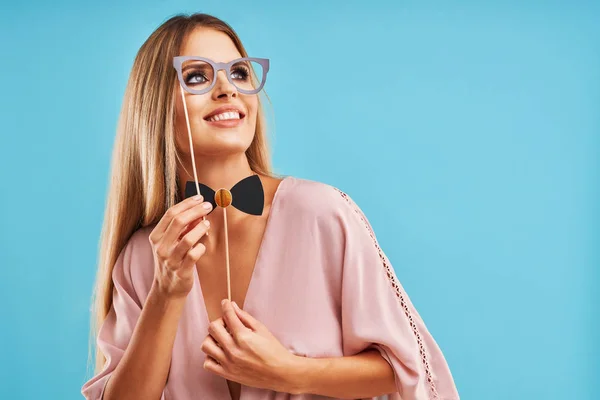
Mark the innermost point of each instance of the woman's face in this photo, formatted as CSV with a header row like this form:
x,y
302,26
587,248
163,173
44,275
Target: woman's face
x,y
214,136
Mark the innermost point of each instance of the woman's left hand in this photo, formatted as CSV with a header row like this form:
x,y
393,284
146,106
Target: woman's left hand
x,y
241,349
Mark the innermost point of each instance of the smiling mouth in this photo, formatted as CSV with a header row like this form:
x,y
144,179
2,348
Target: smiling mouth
x,y
225,116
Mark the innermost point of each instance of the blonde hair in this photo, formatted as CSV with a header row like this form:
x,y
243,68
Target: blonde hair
x,y
143,180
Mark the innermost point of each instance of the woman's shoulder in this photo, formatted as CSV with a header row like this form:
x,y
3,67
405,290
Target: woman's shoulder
x,y
308,196
140,240
136,262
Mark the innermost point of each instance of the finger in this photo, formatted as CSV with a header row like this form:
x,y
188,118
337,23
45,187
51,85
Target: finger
x,y
181,220
178,208
189,227
192,256
212,349
247,319
213,366
189,240
231,319
217,330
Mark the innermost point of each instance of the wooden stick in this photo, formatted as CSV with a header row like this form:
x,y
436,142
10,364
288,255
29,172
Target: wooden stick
x,y
187,121
227,254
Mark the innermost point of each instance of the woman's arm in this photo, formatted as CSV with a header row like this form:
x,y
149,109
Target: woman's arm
x,y
248,353
377,313
363,375
142,372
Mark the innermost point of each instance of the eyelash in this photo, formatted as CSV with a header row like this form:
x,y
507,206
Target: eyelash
x,y
243,71
192,74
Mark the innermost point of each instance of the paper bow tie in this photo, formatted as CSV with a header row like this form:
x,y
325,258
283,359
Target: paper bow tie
x,y
247,195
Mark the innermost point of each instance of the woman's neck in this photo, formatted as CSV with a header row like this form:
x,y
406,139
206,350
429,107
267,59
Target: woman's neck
x,y
215,172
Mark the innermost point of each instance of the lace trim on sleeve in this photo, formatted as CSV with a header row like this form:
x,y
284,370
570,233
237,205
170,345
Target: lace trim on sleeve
x,y
395,285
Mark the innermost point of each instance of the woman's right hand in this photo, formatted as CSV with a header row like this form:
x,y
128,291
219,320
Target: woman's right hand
x,y
176,247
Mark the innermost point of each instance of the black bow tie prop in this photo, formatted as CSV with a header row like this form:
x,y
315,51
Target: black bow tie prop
x,y
247,196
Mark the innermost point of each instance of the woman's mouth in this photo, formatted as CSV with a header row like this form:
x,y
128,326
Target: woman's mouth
x,y
227,119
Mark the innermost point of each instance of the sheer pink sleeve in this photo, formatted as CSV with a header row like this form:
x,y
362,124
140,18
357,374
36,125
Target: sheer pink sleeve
x,y
377,313
117,329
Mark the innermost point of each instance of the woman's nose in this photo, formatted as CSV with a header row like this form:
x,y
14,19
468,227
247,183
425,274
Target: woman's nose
x,y
222,86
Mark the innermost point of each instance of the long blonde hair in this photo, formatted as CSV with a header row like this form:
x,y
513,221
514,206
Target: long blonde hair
x,y
143,179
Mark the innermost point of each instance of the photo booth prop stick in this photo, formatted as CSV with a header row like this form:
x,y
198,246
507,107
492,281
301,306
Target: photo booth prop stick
x,y
198,75
247,195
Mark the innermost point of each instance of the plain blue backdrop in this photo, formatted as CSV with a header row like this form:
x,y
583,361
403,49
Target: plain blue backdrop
x,y
480,120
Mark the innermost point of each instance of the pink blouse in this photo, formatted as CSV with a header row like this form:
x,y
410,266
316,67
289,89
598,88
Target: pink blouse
x,y
321,284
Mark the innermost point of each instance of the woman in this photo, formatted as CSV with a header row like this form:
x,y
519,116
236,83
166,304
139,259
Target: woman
x,y
316,309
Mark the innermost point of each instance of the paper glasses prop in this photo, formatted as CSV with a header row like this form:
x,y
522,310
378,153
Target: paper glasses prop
x,y
197,75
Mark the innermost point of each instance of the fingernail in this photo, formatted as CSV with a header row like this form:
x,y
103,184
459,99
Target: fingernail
x,y
207,205
206,222
223,302
235,305
197,197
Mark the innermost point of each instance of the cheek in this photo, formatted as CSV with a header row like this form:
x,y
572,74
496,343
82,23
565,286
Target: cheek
x,y
252,107
195,104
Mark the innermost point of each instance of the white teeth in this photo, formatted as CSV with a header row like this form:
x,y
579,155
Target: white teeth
x,y
225,116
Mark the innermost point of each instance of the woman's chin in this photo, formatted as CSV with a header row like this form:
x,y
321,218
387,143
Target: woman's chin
x,y
224,143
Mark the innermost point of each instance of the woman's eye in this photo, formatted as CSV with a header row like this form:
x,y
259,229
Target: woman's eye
x,y
195,78
240,73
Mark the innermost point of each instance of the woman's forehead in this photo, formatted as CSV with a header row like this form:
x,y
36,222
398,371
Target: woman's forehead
x,y
209,43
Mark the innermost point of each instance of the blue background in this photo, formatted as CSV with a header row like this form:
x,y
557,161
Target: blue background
x,y
480,121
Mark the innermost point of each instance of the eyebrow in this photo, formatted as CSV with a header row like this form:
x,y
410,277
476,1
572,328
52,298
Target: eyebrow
x,y
195,64
244,62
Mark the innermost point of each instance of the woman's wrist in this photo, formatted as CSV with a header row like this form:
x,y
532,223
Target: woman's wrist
x,y
163,300
299,374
